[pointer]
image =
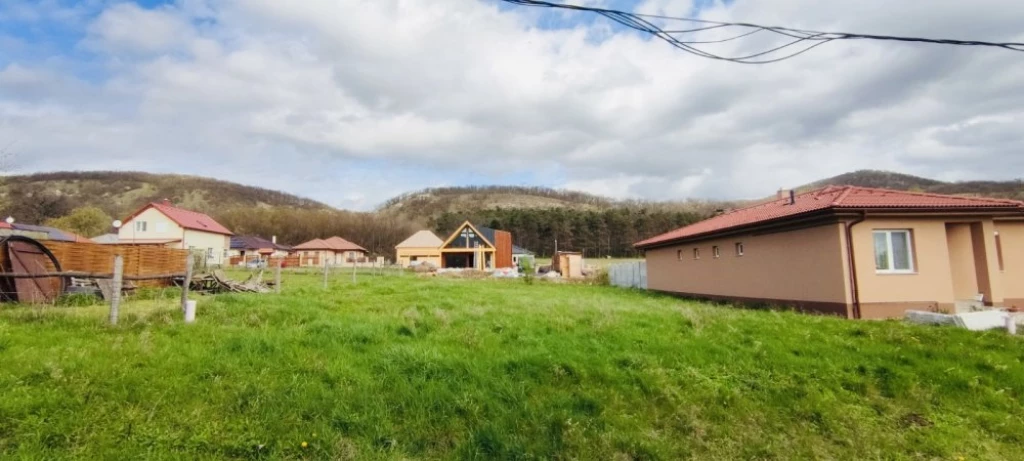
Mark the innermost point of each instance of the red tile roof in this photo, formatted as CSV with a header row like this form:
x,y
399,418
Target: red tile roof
x,y
186,218
835,198
333,244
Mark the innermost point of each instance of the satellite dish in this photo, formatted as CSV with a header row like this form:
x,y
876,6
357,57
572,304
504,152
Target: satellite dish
x,y
117,224
10,220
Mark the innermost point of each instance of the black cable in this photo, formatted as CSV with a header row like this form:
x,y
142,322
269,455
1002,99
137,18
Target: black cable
x,y
638,21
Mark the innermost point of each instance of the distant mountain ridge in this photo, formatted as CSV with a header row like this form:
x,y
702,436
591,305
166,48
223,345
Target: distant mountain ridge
x,y
1013,189
120,192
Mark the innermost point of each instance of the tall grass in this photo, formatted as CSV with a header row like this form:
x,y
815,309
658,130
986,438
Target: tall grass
x,y
427,368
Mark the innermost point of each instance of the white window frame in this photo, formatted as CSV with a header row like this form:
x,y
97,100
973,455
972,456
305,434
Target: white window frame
x,y
696,253
716,252
739,248
892,254
679,255
140,226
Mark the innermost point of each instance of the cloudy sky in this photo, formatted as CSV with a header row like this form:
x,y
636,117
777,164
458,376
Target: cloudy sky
x,y
353,101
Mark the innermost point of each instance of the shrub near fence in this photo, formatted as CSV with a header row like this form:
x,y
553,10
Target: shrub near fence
x,y
150,265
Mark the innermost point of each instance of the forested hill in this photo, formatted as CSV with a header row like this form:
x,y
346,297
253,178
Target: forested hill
x,y
431,203
37,197
537,217
1013,189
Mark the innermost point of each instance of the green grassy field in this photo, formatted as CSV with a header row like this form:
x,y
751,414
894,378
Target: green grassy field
x,y
431,368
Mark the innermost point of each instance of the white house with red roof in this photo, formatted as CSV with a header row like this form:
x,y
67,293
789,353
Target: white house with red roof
x,y
856,252
161,223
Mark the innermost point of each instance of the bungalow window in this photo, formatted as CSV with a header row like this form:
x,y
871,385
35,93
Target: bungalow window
x,y
696,253
161,227
893,252
679,255
716,252
739,248
209,253
140,226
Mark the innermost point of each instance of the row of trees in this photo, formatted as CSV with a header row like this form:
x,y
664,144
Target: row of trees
x,y
377,233
611,232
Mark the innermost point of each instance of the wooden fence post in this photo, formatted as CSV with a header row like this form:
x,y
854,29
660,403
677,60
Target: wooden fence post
x,y
115,292
277,277
325,274
189,260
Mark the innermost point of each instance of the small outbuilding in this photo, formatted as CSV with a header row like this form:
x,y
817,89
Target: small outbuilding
x,y
521,256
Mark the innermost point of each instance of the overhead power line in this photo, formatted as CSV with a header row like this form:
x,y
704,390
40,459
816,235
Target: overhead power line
x,y
802,40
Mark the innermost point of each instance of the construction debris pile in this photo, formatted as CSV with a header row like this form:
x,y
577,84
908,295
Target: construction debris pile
x,y
217,282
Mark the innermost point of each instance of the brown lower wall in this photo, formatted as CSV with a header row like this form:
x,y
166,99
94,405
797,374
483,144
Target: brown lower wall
x,y
817,307
1013,302
868,311
898,310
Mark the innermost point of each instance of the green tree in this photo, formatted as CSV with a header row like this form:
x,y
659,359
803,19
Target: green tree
x,y
86,221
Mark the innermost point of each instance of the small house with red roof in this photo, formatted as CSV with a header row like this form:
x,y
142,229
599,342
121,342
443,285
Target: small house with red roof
x,y
334,251
161,223
851,251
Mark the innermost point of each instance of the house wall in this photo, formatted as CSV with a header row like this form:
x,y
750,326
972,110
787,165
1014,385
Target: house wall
x,y
431,255
1011,236
938,244
804,268
961,260
158,226
205,241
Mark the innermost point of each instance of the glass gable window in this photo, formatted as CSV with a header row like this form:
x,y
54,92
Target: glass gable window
x,y
893,251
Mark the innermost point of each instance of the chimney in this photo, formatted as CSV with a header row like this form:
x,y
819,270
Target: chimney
x,y
781,194
792,197
167,202
273,239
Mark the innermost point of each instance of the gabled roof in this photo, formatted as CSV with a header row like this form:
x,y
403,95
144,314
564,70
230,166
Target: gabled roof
x,y
421,239
185,218
332,244
52,232
485,233
832,198
518,250
252,242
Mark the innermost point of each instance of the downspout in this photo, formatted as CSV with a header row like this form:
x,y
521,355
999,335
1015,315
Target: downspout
x,y
852,265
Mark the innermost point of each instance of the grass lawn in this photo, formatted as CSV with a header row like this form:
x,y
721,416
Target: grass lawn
x,y
430,368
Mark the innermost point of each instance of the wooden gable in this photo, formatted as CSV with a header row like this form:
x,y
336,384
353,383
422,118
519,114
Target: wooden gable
x,y
467,237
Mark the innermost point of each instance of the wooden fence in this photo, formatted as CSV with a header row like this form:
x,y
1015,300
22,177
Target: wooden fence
x,y
149,265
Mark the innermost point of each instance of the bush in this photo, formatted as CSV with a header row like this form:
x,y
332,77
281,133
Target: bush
x,y
528,273
78,300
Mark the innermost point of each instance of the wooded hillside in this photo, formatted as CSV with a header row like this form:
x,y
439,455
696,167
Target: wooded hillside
x,y
38,197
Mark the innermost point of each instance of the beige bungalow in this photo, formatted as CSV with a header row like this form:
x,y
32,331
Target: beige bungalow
x,y
421,247
851,251
334,251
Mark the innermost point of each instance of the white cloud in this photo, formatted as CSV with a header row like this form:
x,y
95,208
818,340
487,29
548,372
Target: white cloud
x,y
352,101
129,28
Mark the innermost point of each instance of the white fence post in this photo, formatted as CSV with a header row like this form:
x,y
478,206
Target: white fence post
x,y
115,289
